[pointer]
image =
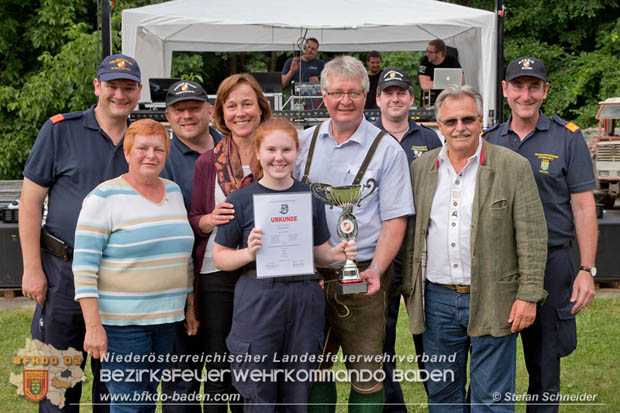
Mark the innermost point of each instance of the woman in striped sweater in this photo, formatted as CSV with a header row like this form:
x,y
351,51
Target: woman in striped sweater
x,y
132,270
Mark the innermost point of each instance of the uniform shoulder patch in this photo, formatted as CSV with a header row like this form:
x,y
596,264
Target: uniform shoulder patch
x,y
65,116
568,125
57,118
571,127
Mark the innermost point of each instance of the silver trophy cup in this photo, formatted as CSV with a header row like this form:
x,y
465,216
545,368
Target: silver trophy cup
x,y
346,197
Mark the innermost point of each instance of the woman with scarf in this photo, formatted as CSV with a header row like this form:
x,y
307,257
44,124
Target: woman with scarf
x,y
240,107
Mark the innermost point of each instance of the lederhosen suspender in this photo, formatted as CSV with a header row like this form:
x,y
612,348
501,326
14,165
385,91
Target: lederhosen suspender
x,y
363,167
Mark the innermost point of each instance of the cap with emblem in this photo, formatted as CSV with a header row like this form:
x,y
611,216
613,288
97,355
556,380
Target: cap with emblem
x,y
185,90
119,66
526,66
393,76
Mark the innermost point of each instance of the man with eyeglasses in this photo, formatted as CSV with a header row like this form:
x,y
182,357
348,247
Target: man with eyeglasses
x,y
474,259
435,57
562,166
333,153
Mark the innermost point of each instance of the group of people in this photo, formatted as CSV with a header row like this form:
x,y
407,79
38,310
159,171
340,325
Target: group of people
x,y
308,67
150,243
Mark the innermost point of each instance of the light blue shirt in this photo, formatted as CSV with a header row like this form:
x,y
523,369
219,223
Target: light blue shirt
x,y
337,164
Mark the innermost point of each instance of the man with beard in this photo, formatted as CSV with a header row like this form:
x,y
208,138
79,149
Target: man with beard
x,y
373,61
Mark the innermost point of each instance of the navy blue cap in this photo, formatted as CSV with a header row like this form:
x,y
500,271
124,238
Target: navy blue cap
x,y
526,66
119,66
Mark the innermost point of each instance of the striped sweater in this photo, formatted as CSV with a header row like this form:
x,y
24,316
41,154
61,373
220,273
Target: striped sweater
x,y
134,255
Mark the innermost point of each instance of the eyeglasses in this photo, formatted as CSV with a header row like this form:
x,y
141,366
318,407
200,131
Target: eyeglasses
x,y
432,51
353,94
467,120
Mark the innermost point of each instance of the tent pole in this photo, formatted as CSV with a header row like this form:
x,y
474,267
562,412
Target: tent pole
x,y
499,96
106,29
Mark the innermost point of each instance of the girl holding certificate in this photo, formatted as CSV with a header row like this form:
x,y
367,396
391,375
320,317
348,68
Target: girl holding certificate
x,y
240,107
277,322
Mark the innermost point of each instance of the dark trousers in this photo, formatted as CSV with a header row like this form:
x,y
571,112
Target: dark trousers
x,y
280,324
215,305
60,324
215,309
183,345
394,399
553,334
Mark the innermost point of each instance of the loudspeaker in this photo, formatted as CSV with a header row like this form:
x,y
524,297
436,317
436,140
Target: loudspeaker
x,y
607,262
11,266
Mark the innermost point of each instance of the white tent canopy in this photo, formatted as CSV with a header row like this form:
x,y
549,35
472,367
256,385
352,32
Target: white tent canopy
x,y
152,33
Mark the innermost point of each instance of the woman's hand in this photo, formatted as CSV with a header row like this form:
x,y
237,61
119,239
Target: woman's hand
x,y
191,324
96,341
255,241
221,214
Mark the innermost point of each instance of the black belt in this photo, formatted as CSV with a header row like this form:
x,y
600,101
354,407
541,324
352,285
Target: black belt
x,y
559,247
55,246
286,279
330,273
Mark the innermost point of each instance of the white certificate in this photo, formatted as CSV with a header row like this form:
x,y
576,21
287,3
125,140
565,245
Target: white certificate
x,y
286,219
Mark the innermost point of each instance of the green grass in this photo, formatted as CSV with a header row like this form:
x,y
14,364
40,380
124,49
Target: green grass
x,y
593,368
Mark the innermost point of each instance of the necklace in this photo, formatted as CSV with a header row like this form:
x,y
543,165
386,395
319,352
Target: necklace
x,y
398,131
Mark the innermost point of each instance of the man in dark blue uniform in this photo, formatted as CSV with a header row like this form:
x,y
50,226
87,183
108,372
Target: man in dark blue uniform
x,y
187,110
563,170
72,154
394,97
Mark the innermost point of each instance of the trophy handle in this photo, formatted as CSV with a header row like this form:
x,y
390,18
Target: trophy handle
x,y
321,191
369,183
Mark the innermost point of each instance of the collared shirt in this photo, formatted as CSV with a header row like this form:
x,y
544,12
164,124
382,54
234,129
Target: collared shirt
x,y
180,164
337,164
561,163
71,157
418,139
449,229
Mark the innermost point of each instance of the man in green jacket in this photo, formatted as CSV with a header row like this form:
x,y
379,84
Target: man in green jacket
x,y
475,259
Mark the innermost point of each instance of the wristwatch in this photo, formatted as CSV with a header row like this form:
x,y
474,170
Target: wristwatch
x,y
591,270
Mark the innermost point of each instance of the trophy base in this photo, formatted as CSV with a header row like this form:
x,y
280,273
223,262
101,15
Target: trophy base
x,y
360,287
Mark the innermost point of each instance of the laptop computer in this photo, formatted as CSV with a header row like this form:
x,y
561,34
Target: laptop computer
x,y
446,77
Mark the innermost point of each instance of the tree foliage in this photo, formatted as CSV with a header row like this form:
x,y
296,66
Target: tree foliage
x,y
48,58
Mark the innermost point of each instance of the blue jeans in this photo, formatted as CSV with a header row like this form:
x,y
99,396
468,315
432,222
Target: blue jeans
x,y
135,382
492,365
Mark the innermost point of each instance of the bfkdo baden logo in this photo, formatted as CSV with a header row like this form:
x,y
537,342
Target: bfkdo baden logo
x,y
47,372
35,384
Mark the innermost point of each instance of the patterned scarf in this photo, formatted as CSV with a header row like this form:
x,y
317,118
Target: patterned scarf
x,y
228,166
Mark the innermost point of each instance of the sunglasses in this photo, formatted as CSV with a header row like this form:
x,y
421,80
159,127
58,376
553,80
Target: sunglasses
x,y
467,120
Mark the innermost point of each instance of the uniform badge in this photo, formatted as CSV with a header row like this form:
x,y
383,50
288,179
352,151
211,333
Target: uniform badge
x,y
35,384
544,164
284,209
